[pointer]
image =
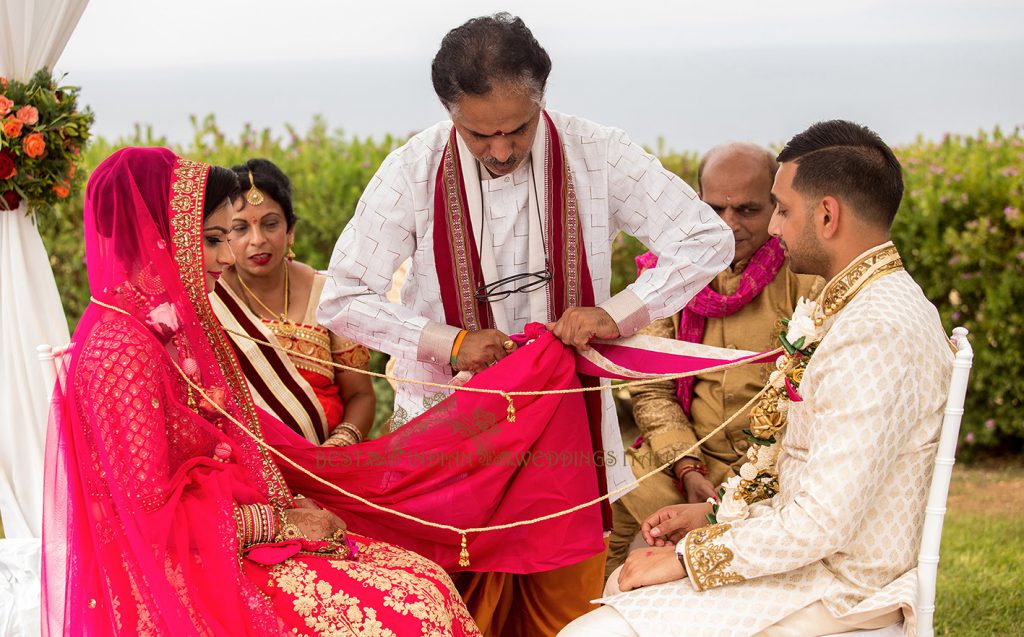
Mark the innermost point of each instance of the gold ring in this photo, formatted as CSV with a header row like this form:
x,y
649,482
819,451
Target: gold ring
x,y
509,345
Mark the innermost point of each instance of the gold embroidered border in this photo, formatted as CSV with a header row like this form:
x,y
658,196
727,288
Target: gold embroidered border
x,y
856,276
354,356
188,187
707,563
309,341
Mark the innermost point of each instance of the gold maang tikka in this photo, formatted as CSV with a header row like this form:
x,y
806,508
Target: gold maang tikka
x,y
253,196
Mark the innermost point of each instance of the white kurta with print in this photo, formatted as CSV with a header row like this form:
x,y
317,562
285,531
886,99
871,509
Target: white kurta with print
x,y
619,186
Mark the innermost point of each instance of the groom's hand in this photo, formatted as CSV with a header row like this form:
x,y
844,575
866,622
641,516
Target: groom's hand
x,y
650,566
580,324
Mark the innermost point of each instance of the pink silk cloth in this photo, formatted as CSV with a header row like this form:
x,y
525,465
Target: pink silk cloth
x,y
463,463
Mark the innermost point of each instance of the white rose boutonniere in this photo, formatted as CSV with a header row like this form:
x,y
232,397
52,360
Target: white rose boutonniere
x,y
801,329
732,507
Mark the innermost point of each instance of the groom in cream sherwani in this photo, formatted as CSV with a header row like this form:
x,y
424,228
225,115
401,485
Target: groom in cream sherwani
x,y
835,549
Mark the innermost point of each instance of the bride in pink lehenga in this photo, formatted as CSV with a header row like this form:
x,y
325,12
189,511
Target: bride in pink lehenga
x,y
162,516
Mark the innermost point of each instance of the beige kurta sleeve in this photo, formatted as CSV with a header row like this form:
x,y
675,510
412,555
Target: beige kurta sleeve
x,y
657,411
859,413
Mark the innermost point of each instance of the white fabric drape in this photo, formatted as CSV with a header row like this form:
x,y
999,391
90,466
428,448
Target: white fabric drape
x,y
33,34
19,587
30,314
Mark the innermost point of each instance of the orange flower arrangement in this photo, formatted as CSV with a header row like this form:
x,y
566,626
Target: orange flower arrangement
x,y
34,145
41,132
27,115
12,127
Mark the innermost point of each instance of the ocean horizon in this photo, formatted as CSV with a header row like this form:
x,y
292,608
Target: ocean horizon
x,y
685,100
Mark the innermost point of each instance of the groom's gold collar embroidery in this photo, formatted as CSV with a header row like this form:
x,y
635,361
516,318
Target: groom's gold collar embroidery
x,y
876,262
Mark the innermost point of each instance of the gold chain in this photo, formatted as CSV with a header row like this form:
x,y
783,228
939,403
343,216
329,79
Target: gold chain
x,y
248,292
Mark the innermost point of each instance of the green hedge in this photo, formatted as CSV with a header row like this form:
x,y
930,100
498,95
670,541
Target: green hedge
x,y
960,231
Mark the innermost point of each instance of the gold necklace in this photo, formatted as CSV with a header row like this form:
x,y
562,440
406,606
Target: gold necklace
x,y
287,327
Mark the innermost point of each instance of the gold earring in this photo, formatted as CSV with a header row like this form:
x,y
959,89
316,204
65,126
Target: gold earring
x,y
291,253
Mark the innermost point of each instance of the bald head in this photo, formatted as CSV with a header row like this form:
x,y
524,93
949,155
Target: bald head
x,y
741,155
736,181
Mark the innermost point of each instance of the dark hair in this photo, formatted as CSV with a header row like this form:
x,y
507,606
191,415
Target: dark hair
x,y
221,184
274,184
486,50
851,162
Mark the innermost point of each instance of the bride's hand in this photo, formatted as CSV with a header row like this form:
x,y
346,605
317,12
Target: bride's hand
x,y
315,524
305,503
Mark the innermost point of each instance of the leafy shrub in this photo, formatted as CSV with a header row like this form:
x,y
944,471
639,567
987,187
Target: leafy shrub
x,y
960,230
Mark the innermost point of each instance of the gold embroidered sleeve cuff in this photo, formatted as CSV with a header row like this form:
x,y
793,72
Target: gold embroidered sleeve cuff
x,y
628,311
708,563
436,342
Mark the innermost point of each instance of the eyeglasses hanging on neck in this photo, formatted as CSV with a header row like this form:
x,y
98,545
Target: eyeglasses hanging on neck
x,y
503,288
517,283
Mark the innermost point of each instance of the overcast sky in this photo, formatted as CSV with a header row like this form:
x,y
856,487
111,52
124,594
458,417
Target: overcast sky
x,y
125,53
134,33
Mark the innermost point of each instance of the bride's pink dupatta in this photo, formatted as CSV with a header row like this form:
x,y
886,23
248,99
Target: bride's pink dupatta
x,y
138,533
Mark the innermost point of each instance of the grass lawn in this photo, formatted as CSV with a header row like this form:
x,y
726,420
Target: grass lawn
x,y
981,574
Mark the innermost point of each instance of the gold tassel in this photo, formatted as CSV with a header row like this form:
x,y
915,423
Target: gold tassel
x,y
464,553
511,408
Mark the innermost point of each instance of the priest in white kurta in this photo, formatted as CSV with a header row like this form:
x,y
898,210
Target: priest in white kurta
x,y
507,215
620,187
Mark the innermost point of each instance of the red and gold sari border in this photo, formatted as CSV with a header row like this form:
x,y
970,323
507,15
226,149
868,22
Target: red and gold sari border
x,y
188,187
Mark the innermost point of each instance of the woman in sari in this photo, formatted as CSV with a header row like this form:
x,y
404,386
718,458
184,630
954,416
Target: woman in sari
x,y
268,296
164,513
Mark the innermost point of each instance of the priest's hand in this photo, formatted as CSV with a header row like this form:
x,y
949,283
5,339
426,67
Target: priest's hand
x,y
647,567
580,324
482,348
669,524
